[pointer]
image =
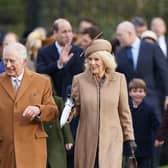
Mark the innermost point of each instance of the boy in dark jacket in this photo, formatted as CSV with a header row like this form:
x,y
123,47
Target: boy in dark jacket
x,y
145,124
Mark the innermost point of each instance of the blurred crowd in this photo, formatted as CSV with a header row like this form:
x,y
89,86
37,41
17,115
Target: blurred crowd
x,y
140,51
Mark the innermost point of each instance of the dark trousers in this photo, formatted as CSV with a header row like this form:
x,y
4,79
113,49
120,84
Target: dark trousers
x,y
70,158
156,158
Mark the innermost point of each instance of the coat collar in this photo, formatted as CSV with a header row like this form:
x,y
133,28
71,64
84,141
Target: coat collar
x,y
109,77
7,85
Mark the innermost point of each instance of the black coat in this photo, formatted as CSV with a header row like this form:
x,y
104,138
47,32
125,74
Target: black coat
x,y
145,124
47,63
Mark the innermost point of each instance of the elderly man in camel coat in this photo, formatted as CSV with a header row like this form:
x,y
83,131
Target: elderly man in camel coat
x,y
24,104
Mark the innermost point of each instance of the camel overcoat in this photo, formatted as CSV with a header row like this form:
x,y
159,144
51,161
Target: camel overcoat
x,y
105,120
23,142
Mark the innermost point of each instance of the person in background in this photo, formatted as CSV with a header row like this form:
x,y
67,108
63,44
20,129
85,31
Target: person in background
x,y
140,25
101,100
87,36
149,36
10,37
85,23
26,102
33,44
59,140
132,59
158,26
145,124
60,60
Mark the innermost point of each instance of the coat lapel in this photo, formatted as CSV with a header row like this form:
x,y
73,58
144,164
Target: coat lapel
x,y
7,85
26,81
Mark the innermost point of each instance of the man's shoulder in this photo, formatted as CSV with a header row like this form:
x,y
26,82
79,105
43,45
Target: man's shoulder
x,y
148,107
148,45
2,75
47,48
39,77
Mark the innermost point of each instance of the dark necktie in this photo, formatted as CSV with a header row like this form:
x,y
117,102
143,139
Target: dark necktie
x,y
130,56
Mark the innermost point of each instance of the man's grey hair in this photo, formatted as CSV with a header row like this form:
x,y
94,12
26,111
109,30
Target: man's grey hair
x,y
17,47
126,26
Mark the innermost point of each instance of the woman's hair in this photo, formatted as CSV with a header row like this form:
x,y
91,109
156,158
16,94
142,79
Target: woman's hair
x,y
137,83
108,59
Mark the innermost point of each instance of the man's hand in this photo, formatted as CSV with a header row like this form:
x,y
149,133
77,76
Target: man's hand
x,y
65,56
68,146
158,143
31,112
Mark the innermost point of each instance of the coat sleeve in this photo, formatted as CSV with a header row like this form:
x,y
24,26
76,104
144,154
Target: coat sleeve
x,y
124,111
48,108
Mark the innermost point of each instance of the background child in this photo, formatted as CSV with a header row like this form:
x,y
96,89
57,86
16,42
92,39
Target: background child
x,y
145,124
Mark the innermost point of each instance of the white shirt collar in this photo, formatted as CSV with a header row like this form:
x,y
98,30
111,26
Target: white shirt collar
x,y
161,38
136,43
59,48
20,77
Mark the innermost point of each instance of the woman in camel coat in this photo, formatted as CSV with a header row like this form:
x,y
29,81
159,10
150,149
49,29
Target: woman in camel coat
x,y
102,102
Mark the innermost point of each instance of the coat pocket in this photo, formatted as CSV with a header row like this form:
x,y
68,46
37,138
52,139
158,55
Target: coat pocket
x,y
40,135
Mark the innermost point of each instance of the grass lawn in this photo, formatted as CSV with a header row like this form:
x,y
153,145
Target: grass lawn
x,y
164,167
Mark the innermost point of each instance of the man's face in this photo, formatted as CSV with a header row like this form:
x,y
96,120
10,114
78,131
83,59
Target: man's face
x,y
85,41
159,27
124,37
64,34
12,64
140,29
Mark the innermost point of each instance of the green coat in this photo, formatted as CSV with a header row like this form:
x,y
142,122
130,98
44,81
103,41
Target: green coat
x,y
57,138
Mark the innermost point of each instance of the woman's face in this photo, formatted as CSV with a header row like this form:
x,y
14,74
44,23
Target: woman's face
x,y
96,65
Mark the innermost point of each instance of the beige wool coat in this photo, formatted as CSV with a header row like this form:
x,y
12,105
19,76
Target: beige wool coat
x,y
23,142
105,120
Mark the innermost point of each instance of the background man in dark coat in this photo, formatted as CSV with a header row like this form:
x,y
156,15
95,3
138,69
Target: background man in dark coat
x,y
146,61
60,60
